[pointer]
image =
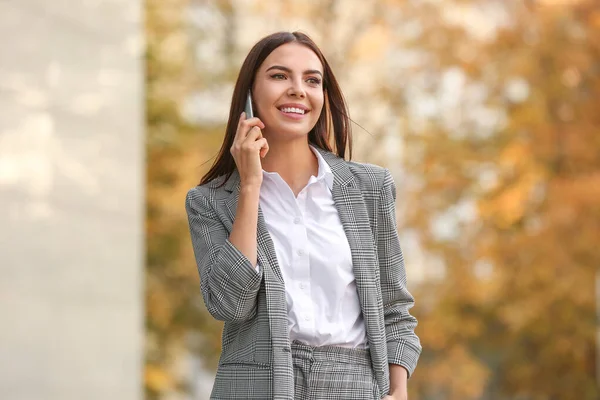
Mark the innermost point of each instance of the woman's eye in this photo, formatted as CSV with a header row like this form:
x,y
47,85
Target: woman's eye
x,y
314,81
278,76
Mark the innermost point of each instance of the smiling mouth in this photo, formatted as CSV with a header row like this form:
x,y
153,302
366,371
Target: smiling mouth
x,y
294,110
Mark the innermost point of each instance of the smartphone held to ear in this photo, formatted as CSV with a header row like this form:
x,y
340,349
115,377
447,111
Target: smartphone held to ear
x,y
249,111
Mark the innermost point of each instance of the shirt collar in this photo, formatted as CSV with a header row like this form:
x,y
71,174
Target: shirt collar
x,y
324,172
324,169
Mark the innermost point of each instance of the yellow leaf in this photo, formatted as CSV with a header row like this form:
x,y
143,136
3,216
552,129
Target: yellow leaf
x,y
157,379
372,43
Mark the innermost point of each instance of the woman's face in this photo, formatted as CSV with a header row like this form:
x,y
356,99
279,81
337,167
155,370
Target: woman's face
x,y
288,92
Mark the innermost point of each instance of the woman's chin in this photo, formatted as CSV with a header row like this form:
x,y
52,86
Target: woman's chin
x,y
286,132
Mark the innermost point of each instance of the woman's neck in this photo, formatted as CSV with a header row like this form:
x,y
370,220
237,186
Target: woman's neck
x,y
293,161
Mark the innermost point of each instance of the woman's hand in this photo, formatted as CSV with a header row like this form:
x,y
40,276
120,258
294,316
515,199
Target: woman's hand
x,y
248,147
398,381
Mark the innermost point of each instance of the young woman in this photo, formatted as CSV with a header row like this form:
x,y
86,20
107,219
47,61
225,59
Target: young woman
x,y
297,249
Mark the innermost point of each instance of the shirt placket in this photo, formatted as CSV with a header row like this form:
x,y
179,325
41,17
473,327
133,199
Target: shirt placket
x,y
306,316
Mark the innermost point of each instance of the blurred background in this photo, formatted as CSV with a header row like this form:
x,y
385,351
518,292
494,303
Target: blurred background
x,y
487,113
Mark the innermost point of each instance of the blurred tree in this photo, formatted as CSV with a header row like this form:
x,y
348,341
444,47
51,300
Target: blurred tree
x,y
513,212
177,324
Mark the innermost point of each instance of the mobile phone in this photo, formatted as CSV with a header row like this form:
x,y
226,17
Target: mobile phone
x,y
249,111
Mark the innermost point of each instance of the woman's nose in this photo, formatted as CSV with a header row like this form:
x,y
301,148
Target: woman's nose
x,y
296,89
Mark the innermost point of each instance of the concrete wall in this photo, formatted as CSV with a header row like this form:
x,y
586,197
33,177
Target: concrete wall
x,y
71,200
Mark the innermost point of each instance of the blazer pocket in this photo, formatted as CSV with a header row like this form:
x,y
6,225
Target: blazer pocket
x,y
243,380
243,364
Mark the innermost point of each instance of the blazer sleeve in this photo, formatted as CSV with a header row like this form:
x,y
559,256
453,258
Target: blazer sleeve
x,y
228,281
403,344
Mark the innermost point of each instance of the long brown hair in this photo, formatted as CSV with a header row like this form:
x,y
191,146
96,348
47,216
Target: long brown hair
x,y
333,115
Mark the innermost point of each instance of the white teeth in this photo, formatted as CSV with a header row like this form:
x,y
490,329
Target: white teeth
x,y
292,110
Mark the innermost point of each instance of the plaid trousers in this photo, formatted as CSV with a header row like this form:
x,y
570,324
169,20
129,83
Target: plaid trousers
x,y
332,373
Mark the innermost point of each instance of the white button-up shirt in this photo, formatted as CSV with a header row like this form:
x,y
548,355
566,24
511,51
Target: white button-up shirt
x,y
315,260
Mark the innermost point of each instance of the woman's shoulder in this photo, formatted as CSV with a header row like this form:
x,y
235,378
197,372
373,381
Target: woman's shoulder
x,y
369,176
209,191
361,168
370,173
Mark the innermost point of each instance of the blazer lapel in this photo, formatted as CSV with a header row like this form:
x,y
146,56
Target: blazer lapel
x,y
355,219
354,216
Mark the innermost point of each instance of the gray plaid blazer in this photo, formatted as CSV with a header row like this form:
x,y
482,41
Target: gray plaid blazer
x,y
256,362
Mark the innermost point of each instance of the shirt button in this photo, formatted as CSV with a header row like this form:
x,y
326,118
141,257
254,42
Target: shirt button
x,y
302,286
307,317
297,220
300,252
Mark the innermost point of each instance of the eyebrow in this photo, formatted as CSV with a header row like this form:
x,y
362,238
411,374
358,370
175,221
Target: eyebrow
x,y
286,69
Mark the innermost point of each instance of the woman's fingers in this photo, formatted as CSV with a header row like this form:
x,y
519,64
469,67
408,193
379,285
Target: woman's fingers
x,y
247,149
253,134
239,126
253,142
249,142
263,146
256,121
264,149
245,125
